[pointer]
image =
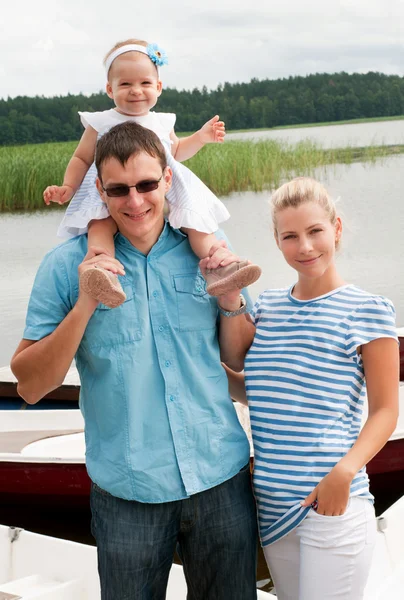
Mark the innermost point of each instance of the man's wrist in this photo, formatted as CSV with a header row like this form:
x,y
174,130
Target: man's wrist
x,y
85,306
234,309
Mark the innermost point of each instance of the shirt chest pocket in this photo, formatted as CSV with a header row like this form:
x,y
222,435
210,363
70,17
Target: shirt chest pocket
x,y
196,309
113,326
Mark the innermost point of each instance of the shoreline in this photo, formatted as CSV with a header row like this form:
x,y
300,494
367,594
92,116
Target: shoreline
x,y
307,125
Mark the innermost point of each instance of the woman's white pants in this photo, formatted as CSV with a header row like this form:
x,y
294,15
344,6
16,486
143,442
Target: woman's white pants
x,y
325,558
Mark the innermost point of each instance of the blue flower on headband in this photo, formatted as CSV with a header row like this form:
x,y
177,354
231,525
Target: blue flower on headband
x,y
157,55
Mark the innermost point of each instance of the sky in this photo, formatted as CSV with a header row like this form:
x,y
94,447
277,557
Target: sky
x,y
56,47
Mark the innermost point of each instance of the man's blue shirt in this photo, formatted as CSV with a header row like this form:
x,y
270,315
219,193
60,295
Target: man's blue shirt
x,y
159,422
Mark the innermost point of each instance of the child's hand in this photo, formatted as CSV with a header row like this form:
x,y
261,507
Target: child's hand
x,y
332,493
60,194
219,256
213,131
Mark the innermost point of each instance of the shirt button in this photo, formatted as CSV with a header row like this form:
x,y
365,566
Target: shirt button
x,y
161,328
167,363
155,294
172,398
198,288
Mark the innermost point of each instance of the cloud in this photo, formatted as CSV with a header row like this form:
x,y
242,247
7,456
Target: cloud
x,y
56,47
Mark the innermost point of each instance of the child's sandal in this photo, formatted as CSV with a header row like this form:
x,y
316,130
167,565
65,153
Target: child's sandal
x,y
234,276
102,285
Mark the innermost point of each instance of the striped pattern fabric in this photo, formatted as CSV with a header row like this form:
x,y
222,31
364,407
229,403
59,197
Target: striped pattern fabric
x,y
305,388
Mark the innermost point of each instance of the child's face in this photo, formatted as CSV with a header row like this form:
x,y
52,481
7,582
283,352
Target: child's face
x,y
133,84
307,238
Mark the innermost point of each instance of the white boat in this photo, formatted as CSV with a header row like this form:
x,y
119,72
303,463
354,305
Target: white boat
x,y
39,567
386,580
49,444
34,566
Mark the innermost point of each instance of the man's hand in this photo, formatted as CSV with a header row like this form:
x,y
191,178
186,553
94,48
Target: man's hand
x,y
212,132
59,194
332,493
220,256
97,257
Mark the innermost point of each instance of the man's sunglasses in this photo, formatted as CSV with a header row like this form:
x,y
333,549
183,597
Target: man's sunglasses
x,y
118,191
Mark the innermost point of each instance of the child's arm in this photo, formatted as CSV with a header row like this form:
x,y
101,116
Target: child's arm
x,y
78,166
212,132
381,365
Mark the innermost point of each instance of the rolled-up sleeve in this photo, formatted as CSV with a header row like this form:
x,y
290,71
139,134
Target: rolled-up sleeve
x,y
49,302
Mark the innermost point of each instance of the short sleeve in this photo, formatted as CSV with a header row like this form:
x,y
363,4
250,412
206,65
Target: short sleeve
x,y
167,121
50,300
95,119
255,312
374,319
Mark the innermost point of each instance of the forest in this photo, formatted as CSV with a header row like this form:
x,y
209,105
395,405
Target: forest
x,y
264,103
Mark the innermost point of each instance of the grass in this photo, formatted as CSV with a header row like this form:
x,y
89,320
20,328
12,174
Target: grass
x,y
25,171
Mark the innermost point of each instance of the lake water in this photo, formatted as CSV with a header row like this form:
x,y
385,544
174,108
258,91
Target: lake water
x,y
378,133
371,255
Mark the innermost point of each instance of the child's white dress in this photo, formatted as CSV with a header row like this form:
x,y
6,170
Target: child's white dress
x,y
192,204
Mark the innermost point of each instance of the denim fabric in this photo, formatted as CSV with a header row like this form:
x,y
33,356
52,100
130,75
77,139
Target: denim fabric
x,y
215,532
159,422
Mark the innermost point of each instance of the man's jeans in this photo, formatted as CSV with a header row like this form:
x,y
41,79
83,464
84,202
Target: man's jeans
x,y
216,533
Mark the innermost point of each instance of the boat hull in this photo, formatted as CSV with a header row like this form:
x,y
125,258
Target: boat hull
x,y
45,485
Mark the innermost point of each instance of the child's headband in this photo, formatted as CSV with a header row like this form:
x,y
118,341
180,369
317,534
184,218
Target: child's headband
x,y
156,54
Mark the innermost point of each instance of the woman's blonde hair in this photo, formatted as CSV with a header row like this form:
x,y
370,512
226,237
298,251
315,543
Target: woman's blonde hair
x,y
297,192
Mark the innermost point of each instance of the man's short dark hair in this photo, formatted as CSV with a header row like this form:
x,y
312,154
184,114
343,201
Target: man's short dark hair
x,y
125,140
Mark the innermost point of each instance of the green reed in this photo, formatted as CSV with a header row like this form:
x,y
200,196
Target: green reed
x,y
25,171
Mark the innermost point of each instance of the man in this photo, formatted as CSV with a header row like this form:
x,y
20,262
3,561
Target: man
x,y
164,449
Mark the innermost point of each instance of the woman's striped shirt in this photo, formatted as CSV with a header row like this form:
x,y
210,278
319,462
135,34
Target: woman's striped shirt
x,y
305,388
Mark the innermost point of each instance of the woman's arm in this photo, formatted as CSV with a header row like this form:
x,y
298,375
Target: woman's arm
x,y
236,385
381,365
236,334
212,132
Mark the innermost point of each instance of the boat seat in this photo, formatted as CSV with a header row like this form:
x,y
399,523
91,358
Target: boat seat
x,y
36,587
7,596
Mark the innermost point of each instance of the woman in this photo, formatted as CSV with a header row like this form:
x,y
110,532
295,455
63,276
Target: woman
x,y
307,350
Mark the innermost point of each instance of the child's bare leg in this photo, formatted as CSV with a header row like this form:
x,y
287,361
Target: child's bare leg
x,y
101,234
200,242
222,280
99,283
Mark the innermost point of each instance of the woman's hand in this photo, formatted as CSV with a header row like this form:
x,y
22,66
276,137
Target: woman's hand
x,y
330,497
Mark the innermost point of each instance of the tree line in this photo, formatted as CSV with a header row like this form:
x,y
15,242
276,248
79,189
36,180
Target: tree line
x,y
259,103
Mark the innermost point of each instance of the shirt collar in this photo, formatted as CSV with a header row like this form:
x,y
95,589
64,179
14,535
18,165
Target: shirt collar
x,y
168,238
